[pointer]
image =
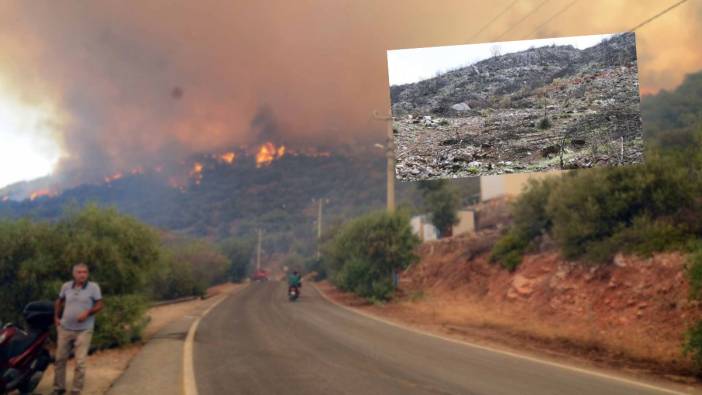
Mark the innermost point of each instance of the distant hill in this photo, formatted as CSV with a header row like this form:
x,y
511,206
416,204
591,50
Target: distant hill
x,y
235,199
671,117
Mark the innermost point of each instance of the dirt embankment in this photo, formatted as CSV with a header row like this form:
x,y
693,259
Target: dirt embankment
x,y
631,314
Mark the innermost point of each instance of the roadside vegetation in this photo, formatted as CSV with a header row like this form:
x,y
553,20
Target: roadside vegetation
x,y
131,261
362,254
592,215
441,200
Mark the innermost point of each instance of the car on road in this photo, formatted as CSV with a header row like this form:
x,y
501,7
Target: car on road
x,y
260,275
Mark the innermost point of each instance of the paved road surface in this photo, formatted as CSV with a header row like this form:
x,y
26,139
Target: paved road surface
x,y
257,342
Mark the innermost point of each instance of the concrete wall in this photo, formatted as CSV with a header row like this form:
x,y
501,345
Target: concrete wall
x,y
508,184
466,222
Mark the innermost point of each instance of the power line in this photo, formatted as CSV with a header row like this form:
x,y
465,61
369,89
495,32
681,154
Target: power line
x,y
482,29
656,16
523,19
554,16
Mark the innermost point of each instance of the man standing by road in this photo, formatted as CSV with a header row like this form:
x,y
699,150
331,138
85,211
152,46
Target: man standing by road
x,y
79,301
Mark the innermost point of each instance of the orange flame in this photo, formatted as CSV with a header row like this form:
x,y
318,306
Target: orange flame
x,y
114,177
197,172
228,157
41,192
267,153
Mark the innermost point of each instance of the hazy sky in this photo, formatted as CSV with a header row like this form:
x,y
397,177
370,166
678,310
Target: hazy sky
x,y
416,64
101,76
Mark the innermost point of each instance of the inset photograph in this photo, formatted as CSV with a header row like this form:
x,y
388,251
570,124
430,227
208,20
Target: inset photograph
x,y
512,107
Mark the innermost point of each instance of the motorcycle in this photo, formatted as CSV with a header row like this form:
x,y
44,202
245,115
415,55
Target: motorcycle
x,y
23,353
293,293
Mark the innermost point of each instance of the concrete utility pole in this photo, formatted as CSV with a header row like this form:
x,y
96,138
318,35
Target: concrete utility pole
x,y
258,252
319,219
390,154
320,203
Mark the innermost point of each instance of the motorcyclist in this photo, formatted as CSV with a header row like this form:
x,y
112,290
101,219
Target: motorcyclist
x,y
294,281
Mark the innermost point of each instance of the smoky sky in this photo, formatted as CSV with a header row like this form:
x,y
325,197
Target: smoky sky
x,y
143,83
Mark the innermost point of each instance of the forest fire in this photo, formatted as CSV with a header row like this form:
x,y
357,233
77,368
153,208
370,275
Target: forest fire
x,y
196,172
228,157
267,153
41,192
114,177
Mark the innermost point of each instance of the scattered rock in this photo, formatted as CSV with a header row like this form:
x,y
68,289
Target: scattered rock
x,y
460,107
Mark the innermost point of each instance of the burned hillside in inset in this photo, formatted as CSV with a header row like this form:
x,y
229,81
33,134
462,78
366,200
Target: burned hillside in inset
x,y
553,107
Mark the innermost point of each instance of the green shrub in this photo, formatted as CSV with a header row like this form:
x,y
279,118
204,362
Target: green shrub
x,y
694,271
175,279
357,276
121,251
207,264
693,344
509,249
239,252
124,256
314,265
364,252
530,221
442,201
589,207
593,214
643,237
544,123
121,322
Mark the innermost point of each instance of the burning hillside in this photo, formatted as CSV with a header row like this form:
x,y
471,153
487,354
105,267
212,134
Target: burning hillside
x,y
178,175
267,153
42,192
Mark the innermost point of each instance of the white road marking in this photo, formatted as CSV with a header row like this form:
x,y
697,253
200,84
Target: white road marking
x,y
189,383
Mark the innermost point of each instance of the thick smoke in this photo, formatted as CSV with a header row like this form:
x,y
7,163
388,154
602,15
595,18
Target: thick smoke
x,y
157,81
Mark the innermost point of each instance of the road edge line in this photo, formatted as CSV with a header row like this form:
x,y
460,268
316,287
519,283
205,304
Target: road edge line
x,y
188,382
504,352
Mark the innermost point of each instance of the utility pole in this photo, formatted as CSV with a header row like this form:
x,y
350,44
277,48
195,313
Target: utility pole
x,y
390,154
258,252
320,203
319,219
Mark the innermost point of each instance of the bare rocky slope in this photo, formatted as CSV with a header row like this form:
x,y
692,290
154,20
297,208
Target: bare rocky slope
x,y
544,108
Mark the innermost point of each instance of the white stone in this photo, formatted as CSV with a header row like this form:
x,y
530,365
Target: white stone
x,y
460,107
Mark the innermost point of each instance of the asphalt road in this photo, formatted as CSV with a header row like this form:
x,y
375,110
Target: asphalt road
x,y
257,342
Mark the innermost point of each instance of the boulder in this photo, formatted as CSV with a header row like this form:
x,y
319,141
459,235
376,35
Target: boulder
x,y
460,107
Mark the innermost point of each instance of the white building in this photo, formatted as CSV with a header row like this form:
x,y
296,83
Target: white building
x,y
422,226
